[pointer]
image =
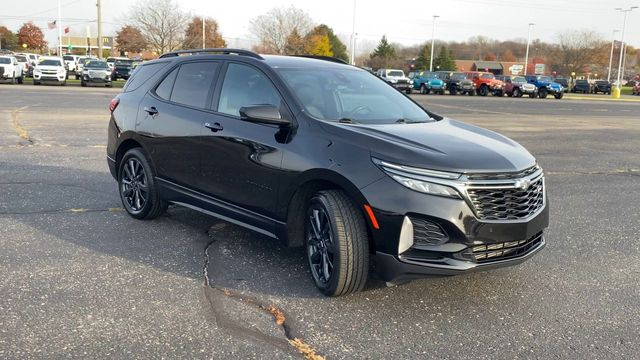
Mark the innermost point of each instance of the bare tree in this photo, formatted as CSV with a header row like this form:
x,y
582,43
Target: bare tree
x,y
162,23
274,27
576,50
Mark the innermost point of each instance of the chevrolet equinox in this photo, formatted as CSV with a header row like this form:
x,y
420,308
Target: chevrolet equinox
x,y
326,156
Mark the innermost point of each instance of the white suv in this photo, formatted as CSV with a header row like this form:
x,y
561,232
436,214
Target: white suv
x,y
397,79
10,68
50,68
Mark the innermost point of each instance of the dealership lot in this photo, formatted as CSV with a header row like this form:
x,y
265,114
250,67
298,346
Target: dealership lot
x,y
82,279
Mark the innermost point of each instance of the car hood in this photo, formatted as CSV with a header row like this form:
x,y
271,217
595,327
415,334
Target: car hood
x,y
446,145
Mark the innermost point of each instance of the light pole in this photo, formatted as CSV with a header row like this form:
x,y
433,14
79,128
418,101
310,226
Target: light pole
x,y
353,35
526,56
613,41
433,39
203,35
624,24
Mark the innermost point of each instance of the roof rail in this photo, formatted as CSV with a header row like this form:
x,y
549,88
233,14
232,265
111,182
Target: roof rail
x,y
325,58
212,50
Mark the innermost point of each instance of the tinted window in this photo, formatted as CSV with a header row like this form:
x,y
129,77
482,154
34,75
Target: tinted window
x,y
21,58
97,64
68,57
193,83
142,74
164,89
245,86
5,61
50,62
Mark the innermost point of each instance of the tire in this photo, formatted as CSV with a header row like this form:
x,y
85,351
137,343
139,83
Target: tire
x,y
408,91
340,240
35,82
64,83
498,93
136,170
517,93
21,79
424,90
542,93
558,95
83,84
483,91
532,96
108,85
453,90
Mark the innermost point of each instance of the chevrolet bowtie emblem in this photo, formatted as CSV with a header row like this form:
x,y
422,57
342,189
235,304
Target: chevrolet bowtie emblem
x,y
522,184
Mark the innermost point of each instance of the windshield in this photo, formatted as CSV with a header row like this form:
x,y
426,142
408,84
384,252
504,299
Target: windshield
x,y
5,61
429,75
50,62
395,73
458,76
96,64
123,62
70,58
544,78
351,96
487,76
21,58
602,82
518,79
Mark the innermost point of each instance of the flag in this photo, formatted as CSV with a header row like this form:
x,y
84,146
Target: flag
x,y
52,25
66,30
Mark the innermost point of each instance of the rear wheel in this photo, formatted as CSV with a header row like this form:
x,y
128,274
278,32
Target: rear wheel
x,y
483,91
517,92
137,186
337,244
558,95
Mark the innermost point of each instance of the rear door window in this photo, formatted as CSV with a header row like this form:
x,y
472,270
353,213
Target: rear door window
x,y
141,75
193,83
164,89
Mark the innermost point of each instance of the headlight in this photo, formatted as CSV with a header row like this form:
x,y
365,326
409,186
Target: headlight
x,y
36,70
421,180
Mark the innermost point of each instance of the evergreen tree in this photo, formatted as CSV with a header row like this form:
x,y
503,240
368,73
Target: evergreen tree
x,y
444,60
424,57
295,44
337,48
384,49
318,45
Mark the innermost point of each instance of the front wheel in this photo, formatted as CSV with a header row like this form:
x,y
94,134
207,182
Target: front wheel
x,y
337,244
424,90
558,95
483,91
542,93
408,91
137,186
21,79
453,90
517,93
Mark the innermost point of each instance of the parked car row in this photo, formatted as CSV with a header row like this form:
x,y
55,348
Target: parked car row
x,y
585,87
476,83
53,69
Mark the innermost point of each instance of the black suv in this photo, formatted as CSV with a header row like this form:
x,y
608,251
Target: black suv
x,y
122,69
601,86
581,86
457,83
327,156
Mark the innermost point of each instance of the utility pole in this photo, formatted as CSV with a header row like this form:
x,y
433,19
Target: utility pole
x,y
624,24
99,6
203,35
353,36
526,56
613,42
433,40
59,29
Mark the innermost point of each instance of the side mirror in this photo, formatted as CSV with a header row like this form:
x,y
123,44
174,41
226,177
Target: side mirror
x,y
265,114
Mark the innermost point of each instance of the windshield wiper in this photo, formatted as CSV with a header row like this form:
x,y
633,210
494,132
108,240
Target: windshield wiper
x,y
347,121
405,121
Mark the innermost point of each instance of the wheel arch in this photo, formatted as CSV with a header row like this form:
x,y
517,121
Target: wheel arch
x,y
308,184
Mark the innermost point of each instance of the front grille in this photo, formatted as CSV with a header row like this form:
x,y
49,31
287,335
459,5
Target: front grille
x,y
403,81
426,232
504,175
96,74
507,203
50,72
503,250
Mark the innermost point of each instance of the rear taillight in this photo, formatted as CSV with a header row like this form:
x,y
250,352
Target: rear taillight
x,y
114,104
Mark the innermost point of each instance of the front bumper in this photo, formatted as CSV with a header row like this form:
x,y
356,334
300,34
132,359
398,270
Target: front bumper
x,y
49,77
100,80
402,86
465,233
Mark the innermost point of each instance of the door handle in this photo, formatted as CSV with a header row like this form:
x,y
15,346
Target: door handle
x,y
215,127
151,110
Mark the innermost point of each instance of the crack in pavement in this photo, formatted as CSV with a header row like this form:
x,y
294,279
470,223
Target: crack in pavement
x,y
22,132
214,295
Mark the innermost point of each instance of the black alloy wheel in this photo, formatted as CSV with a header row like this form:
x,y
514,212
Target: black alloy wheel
x,y
137,188
336,243
453,90
483,90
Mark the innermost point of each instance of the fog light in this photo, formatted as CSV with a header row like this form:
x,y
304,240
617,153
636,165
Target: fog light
x,y
406,235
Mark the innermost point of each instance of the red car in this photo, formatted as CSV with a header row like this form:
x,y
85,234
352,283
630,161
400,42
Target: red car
x,y
636,89
485,83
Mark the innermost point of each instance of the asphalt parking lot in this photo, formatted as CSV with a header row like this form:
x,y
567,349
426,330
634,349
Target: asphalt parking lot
x,y
81,279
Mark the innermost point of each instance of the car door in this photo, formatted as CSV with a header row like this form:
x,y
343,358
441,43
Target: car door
x,y
170,118
241,161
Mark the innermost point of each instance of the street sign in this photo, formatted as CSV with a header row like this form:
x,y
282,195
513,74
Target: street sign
x,y
539,69
516,69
